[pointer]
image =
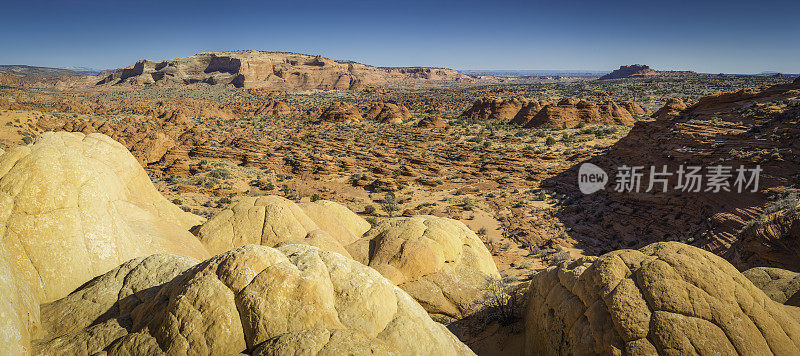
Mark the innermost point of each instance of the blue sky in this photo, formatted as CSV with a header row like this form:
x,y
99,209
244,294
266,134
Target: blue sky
x,y
708,36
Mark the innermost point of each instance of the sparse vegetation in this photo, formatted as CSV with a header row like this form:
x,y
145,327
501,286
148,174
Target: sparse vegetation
x,y
503,302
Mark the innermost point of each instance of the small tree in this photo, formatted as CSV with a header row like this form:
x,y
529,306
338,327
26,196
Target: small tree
x,y
389,204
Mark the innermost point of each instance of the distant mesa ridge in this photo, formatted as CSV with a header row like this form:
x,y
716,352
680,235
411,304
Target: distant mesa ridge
x,y
43,72
641,71
270,70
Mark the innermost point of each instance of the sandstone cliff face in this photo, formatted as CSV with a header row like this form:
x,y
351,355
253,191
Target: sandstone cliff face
x,y
293,300
568,112
269,70
666,298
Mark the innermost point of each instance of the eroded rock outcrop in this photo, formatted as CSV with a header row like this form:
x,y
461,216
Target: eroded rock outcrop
x,y
772,238
666,298
672,108
568,112
571,112
73,207
432,122
495,108
340,112
388,112
750,128
440,262
295,299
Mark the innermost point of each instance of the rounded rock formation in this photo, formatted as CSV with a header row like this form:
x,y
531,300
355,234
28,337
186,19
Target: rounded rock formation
x,y
672,108
779,284
388,112
440,262
74,206
567,113
432,122
494,108
666,298
340,112
295,299
273,220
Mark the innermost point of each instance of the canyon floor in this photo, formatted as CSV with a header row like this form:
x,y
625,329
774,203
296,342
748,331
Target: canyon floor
x,y
486,173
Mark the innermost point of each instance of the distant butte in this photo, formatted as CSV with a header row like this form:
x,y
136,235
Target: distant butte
x,y
641,71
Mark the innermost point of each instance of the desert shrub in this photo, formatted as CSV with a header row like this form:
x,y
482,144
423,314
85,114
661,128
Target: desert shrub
x,y
503,302
369,209
177,201
559,257
467,204
315,197
785,202
220,173
550,141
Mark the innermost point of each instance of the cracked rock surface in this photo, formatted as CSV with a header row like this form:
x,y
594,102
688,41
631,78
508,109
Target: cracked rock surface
x,y
72,207
438,261
296,299
666,298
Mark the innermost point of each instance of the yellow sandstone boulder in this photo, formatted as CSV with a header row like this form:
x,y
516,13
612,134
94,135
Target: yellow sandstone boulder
x,y
73,207
438,261
666,298
296,299
273,220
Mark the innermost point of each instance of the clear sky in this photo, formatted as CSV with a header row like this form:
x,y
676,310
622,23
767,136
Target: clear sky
x,y
732,36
